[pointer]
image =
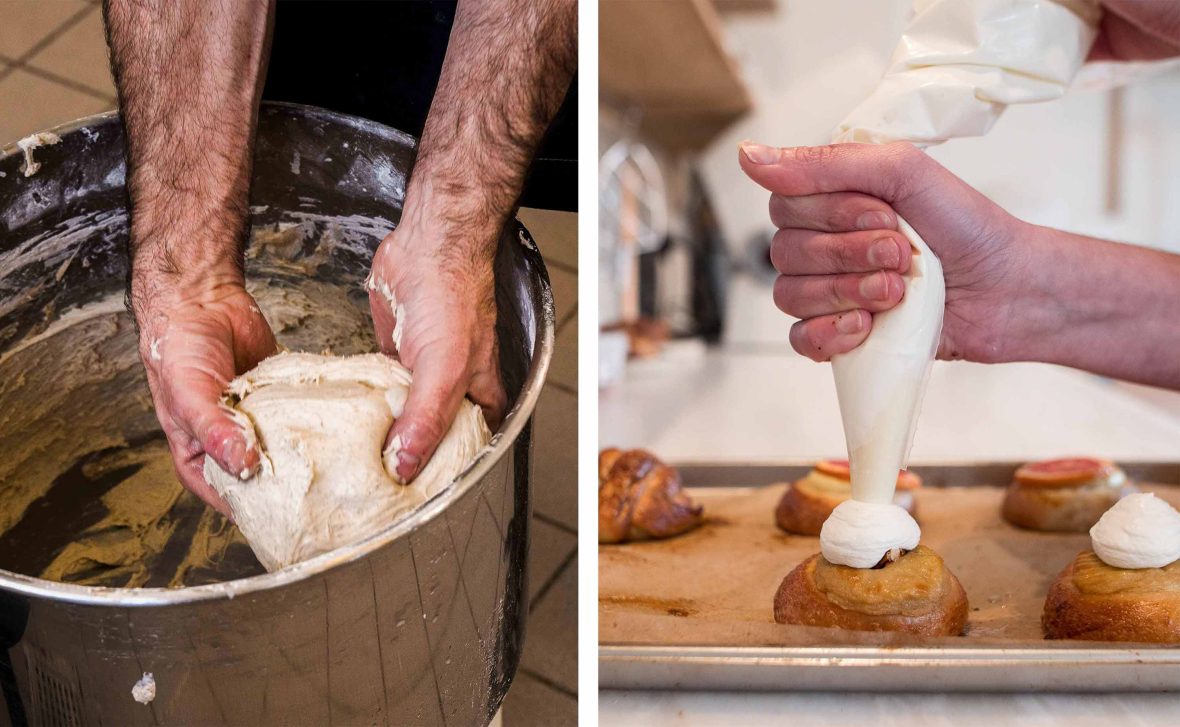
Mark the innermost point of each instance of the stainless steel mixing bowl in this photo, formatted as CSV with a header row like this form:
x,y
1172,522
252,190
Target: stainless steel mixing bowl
x,y
421,623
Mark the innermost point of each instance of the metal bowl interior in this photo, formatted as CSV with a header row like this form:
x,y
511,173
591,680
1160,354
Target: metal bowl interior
x,y
334,178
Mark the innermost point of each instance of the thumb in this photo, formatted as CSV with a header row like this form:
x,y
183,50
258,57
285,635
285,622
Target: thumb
x,y
197,408
435,393
885,171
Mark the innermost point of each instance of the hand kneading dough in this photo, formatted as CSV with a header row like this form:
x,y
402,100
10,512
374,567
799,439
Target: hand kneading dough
x,y
320,422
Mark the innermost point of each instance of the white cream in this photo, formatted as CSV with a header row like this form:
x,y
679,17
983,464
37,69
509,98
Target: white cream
x,y
860,534
880,383
1139,531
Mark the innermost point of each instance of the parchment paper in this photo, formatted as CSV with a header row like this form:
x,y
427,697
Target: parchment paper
x,y
715,586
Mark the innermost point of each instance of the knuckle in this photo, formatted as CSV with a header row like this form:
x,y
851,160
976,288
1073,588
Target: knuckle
x,y
837,288
814,154
902,151
837,217
779,209
840,252
780,246
783,295
905,166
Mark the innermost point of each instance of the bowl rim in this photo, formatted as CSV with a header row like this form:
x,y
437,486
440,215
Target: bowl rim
x,y
501,444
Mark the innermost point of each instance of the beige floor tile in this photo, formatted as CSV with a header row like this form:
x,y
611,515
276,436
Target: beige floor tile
x,y
531,703
549,546
556,234
564,367
551,647
26,22
80,55
29,103
555,470
565,292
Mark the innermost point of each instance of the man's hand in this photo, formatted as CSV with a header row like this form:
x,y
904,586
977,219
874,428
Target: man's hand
x,y
1137,30
1014,291
507,68
193,340
842,258
189,77
438,317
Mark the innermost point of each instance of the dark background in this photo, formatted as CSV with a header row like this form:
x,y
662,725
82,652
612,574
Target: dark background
x,y
381,60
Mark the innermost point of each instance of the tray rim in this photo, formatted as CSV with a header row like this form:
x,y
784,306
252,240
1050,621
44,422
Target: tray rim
x,y
701,473
909,669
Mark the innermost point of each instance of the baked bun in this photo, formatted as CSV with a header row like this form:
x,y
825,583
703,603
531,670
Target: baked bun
x,y
1064,495
809,501
915,594
640,498
1098,602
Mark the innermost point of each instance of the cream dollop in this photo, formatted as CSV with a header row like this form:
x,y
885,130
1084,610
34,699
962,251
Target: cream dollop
x,y
1139,531
859,534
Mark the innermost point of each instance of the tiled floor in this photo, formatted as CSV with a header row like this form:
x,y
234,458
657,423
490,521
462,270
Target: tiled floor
x,y
53,69
53,65
546,686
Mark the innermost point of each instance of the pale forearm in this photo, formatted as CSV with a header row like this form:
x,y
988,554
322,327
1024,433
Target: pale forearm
x,y
1101,306
189,74
507,69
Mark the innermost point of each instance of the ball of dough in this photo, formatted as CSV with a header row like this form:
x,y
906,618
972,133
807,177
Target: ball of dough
x,y
320,424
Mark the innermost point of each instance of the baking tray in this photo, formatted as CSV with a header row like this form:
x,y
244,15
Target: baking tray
x,y
841,661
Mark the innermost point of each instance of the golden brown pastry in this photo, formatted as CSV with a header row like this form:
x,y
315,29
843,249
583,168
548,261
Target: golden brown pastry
x,y
1098,602
809,501
915,594
1064,495
640,498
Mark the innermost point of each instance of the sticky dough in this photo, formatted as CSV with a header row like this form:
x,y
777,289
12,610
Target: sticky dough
x,y
324,481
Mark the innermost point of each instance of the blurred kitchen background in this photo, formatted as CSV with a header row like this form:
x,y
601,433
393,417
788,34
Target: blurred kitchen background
x,y
686,283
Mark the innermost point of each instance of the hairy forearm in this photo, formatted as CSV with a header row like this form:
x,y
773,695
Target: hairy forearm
x,y
507,69
1101,306
189,75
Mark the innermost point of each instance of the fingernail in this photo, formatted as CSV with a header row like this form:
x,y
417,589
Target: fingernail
x,y
874,221
883,254
248,471
875,287
407,465
760,154
848,323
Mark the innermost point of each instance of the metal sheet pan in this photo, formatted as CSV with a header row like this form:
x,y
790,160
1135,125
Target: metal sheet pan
x,y
1056,666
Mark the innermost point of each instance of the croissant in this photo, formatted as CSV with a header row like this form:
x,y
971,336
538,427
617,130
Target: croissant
x,y
915,594
1064,495
1098,602
640,498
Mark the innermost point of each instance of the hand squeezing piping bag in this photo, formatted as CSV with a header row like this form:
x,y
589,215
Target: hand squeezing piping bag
x,y
958,65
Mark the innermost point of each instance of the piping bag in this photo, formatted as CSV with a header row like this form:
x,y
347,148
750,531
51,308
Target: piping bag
x,y
958,65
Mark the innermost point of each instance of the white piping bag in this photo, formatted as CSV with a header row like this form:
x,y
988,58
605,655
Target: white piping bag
x,y
880,383
958,65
